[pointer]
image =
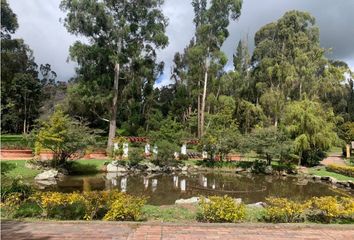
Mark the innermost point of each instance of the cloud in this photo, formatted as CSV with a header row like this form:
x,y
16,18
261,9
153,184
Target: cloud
x,y
42,31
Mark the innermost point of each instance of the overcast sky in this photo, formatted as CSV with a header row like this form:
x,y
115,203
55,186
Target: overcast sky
x,y
42,31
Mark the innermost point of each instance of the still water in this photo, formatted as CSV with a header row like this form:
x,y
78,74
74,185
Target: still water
x,y
164,189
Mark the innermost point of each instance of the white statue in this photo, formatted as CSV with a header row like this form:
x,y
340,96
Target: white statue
x,y
155,150
184,149
115,146
147,149
125,149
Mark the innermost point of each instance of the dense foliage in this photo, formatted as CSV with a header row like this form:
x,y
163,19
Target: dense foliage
x,y
63,136
285,100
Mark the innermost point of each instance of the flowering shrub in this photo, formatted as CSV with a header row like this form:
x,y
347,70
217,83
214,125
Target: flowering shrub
x,y
11,203
330,209
125,208
110,205
318,209
345,170
221,209
284,210
60,205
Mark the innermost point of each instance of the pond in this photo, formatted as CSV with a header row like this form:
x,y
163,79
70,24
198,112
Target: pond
x,y
165,189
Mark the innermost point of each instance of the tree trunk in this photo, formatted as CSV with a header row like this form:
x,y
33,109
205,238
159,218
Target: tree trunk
x,y
113,119
198,112
203,103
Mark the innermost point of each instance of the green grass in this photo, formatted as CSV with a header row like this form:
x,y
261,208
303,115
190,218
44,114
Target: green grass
x,y
172,213
11,138
324,173
188,213
17,168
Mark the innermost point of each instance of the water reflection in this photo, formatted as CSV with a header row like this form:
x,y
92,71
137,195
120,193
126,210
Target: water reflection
x,y
146,182
183,185
175,181
123,184
154,185
165,189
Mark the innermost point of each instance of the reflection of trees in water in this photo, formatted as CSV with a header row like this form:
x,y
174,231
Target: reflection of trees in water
x,y
165,189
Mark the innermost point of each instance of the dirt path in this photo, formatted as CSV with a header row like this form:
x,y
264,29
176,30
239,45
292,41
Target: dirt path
x,y
117,231
334,158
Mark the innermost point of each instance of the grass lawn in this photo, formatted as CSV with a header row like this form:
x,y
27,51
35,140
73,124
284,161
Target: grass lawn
x,y
17,168
188,213
324,173
11,138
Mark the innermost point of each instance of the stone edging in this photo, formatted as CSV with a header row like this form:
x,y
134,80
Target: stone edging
x,y
197,224
348,184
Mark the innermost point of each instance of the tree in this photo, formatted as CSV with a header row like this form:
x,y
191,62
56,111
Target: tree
x,y
201,65
221,134
21,90
9,22
64,136
123,37
312,128
268,143
288,58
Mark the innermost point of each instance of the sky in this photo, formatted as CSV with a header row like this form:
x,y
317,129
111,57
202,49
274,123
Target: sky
x,y
42,30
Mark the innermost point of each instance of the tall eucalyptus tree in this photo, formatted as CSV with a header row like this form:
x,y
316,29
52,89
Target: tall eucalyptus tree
x,y
120,33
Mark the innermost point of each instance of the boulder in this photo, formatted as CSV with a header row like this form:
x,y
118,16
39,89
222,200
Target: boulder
x,y
332,180
343,183
325,178
317,178
258,205
268,170
116,168
192,200
152,167
351,184
51,174
184,168
239,170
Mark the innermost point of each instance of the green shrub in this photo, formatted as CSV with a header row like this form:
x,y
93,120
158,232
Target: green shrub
x,y
331,209
165,155
135,157
284,210
287,167
221,209
344,170
16,186
183,157
259,166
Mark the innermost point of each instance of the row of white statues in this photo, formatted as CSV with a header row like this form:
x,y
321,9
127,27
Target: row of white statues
x,y
154,150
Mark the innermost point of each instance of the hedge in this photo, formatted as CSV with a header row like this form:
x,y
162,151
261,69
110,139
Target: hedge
x,y
344,170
